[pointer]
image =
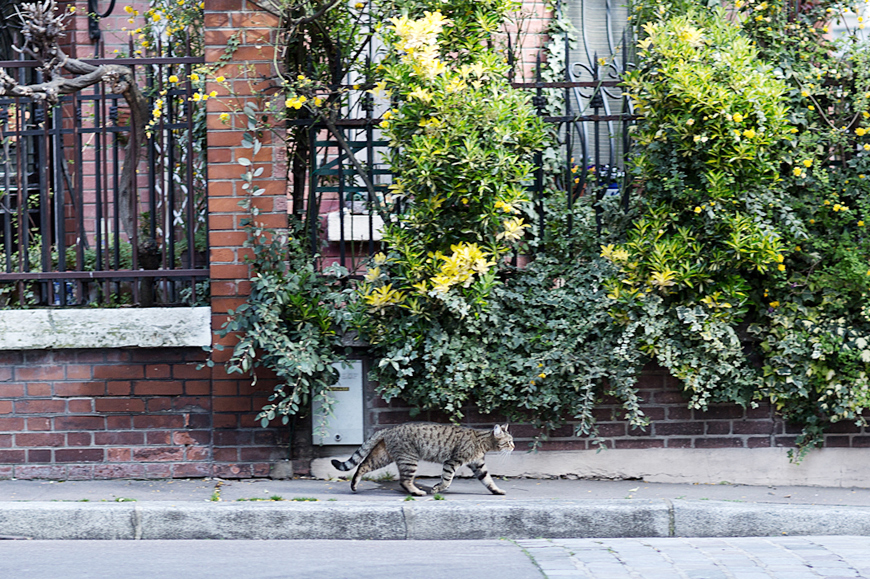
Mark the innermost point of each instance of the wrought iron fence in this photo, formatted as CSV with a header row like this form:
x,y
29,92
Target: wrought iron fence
x,y
62,227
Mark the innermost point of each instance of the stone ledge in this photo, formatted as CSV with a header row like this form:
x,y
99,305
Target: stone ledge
x,y
51,329
830,467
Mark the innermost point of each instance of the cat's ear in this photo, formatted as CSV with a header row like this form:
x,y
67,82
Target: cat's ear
x,y
496,430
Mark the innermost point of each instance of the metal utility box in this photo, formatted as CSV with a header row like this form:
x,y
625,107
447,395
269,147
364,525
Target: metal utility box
x,y
344,425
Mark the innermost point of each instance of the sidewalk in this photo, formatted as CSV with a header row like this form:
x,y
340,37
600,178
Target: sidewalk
x,y
316,509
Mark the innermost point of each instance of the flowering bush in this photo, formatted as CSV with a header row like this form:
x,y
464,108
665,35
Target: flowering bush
x,y
751,159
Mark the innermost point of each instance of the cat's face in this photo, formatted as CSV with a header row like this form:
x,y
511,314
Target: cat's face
x,y
504,440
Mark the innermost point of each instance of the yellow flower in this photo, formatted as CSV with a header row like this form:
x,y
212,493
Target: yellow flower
x,y
173,78
513,229
212,94
861,223
194,77
808,163
156,16
793,130
867,146
738,118
780,267
378,88
225,117
780,258
749,133
128,9
860,131
196,97
295,103
420,94
542,375
373,274
318,101
300,78
798,172
804,93
774,304
837,207
697,209
383,297
811,107
220,79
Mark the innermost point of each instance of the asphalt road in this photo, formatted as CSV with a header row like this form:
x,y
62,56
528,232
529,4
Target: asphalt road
x,y
830,557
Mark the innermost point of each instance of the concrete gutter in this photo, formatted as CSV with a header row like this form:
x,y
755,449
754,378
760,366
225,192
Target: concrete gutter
x,y
425,520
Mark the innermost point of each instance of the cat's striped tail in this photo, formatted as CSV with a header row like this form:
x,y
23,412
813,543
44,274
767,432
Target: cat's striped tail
x,y
360,453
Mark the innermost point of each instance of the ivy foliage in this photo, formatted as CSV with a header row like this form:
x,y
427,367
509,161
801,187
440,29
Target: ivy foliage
x,y
751,156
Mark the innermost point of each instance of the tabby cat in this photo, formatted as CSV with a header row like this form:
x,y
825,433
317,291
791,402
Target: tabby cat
x,y
451,445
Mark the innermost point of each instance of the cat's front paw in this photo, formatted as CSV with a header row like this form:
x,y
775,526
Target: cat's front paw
x,y
497,491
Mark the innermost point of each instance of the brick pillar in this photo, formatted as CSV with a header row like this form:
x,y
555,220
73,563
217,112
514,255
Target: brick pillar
x,y
242,448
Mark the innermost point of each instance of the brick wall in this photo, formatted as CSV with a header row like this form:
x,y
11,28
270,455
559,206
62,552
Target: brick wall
x,y
672,423
82,414
242,448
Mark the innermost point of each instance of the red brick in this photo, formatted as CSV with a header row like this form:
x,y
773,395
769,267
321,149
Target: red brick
x,y
119,422
679,428
758,442
80,472
120,405
119,454
160,404
718,442
79,455
78,372
128,438
158,438
837,442
5,441
12,424
39,439
191,470
78,439
753,427
14,391
160,421
232,404
232,471
197,388
39,389
38,424
857,442
79,423
110,471
38,406
5,472
119,372
119,388
226,421
35,455
5,407
721,412
39,372
158,371
157,388
679,443
80,405
158,454
718,427
79,388
257,453
29,472
639,443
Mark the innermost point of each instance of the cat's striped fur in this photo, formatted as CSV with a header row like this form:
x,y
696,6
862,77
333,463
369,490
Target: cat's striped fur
x,y
451,445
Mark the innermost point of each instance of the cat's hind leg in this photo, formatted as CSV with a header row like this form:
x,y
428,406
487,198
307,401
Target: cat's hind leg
x,y
479,470
448,469
377,458
407,472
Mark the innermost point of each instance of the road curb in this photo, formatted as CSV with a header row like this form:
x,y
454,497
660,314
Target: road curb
x,y
431,520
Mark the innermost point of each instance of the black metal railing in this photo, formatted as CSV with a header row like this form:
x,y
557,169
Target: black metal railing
x,y
590,117
67,238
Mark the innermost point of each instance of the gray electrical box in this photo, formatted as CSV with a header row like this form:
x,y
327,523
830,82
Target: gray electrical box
x,y
344,425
